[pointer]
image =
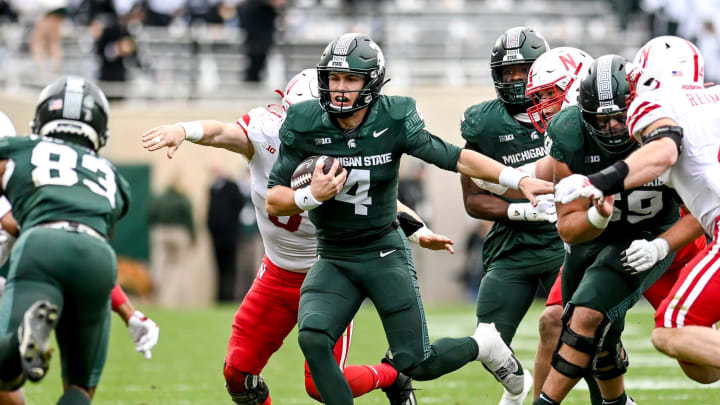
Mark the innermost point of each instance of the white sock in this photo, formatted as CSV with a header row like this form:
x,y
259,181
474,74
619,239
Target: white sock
x,y
492,351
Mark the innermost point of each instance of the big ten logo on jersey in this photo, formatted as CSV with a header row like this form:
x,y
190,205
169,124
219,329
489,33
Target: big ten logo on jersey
x,y
269,148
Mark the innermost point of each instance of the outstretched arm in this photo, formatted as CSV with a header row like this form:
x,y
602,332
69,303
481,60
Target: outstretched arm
x,y
230,136
143,331
416,231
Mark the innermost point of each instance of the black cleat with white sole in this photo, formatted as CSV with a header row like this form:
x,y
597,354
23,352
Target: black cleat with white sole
x,y
34,336
401,392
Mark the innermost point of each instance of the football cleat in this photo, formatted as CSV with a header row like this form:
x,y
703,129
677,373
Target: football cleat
x,y
517,399
511,376
401,392
34,335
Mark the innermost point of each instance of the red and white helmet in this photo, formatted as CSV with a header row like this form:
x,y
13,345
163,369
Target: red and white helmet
x,y
560,69
303,86
666,62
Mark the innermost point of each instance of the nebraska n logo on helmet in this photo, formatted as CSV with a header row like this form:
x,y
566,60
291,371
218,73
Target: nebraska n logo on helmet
x,y
554,83
75,110
357,54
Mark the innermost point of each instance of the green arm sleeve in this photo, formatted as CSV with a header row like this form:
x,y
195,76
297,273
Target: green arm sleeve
x,y
430,148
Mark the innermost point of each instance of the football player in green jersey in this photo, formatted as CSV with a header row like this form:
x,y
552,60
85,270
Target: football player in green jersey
x,y
361,252
596,289
67,200
522,248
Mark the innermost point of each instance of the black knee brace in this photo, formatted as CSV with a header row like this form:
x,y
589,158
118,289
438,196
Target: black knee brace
x,y
256,394
583,344
13,383
611,363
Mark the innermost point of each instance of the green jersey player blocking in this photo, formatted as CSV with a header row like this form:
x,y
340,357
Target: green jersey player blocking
x,y
597,292
67,200
361,252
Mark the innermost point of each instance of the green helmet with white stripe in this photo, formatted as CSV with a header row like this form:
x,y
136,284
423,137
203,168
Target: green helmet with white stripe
x,y
516,46
602,100
73,109
352,53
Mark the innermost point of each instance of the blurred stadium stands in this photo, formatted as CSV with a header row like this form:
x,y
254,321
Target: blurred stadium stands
x,y
426,42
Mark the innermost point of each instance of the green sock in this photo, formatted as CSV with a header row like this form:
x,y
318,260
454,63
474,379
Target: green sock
x,y
543,399
448,354
10,366
73,396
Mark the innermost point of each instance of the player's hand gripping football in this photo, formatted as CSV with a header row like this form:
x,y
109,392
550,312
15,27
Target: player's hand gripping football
x,y
164,135
531,187
144,333
326,186
576,186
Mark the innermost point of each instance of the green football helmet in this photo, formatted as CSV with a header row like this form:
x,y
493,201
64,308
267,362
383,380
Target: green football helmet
x,y
357,54
602,98
516,46
73,109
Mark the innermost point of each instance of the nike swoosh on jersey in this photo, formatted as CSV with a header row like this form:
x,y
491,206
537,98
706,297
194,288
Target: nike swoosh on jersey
x,y
378,133
383,254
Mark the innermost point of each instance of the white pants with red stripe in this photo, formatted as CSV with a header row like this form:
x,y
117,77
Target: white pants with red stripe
x,y
695,297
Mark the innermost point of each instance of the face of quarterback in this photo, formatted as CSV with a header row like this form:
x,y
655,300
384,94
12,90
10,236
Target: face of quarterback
x,y
515,73
345,88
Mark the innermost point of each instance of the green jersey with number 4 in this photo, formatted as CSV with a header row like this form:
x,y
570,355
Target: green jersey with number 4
x,y
371,153
648,209
488,128
51,180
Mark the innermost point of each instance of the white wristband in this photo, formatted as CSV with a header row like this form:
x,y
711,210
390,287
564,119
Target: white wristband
x,y
596,219
415,237
193,130
662,246
305,200
510,177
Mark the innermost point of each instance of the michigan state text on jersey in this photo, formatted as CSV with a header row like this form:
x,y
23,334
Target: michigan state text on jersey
x,y
361,252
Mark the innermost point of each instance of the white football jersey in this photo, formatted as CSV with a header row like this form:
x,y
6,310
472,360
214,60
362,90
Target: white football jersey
x,y
696,174
289,242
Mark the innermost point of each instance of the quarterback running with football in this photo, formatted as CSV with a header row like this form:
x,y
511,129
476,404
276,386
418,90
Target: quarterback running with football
x,y
675,119
269,311
522,249
67,200
361,252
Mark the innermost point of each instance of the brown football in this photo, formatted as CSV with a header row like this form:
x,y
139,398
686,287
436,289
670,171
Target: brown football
x,y
302,175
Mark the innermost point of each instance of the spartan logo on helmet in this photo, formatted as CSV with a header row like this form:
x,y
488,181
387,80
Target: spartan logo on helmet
x,y
516,46
602,99
357,54
75,110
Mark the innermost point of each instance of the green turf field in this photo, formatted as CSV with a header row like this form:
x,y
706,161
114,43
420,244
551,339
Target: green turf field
x,y
186,367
